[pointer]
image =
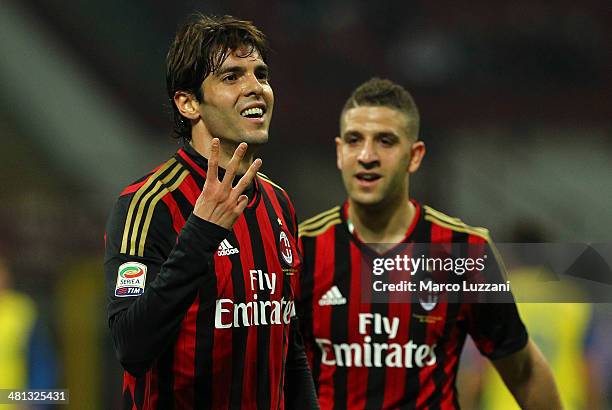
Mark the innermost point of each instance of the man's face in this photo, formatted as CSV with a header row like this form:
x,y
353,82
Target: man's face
x,y
238,99
375,154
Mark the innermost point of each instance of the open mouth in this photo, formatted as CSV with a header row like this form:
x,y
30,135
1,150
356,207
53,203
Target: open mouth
x,y
368,176
255,112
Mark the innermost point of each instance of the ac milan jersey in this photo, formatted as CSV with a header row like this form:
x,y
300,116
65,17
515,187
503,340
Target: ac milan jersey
x,y
367,355
201,317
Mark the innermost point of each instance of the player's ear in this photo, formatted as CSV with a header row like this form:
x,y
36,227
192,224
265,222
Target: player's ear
x,y
187,104
338,153
417,152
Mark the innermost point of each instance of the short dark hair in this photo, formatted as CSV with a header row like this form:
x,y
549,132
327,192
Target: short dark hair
x,y
385,93
199,48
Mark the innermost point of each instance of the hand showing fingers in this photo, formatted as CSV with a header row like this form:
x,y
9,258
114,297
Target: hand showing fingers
x,y
219,202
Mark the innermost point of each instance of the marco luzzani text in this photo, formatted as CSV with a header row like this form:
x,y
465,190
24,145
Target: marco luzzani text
x,y
404,264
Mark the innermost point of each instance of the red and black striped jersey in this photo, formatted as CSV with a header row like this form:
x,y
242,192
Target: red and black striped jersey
x,y
201,317
367,355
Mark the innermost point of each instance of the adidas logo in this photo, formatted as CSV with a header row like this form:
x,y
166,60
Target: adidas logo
x,y
332,297
226,248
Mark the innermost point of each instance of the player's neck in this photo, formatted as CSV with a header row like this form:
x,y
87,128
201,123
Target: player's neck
x,y
386,224
226,149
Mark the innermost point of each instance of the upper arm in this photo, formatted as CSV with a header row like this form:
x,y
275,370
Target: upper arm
x,y
494,321
514,367
136,237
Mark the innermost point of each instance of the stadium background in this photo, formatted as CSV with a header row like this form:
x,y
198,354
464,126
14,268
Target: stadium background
x,y
514,99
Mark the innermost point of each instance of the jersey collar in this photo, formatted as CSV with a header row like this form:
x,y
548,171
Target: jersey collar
x,y
198,164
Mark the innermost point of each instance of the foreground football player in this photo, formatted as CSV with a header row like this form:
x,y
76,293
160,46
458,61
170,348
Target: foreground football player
x,y
200,269
368,355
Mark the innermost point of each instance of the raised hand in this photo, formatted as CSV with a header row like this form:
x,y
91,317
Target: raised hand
x,y
219,202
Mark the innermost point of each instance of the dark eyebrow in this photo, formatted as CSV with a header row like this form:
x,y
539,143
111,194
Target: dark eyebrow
x,y
387,134
229,69
240,69
350,132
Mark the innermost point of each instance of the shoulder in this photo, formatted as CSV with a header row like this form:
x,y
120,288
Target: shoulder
x,y
454,224
267,181
166,177
320,223
272,188
141,206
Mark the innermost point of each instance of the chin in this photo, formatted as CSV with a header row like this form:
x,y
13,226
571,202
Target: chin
x,y
256,138
367,200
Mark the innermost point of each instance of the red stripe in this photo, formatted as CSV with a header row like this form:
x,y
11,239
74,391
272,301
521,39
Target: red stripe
x,y
323,280
184,358
133,187
191,163
222,339
177,217
272,257
249,375
357,377
190,189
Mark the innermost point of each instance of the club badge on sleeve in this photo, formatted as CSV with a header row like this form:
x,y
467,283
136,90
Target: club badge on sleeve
x,y
131,277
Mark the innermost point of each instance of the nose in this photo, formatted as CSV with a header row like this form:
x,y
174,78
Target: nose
x,y
251,85
368,157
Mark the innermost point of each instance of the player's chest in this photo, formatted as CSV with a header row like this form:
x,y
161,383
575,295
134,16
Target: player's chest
x,y
257,260
345,310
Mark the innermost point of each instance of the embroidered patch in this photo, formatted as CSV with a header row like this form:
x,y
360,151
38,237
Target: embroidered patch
x,y
131,277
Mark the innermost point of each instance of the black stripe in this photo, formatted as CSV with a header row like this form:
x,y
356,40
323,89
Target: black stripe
x,y
417,330
205,335
183,203
340,313
127,403
139,390
165,378
282,200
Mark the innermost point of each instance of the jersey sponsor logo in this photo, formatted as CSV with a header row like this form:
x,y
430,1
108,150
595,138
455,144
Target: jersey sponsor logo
x,y
131,279
229,314
332,297
285,248
372,354
226,248
375,354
